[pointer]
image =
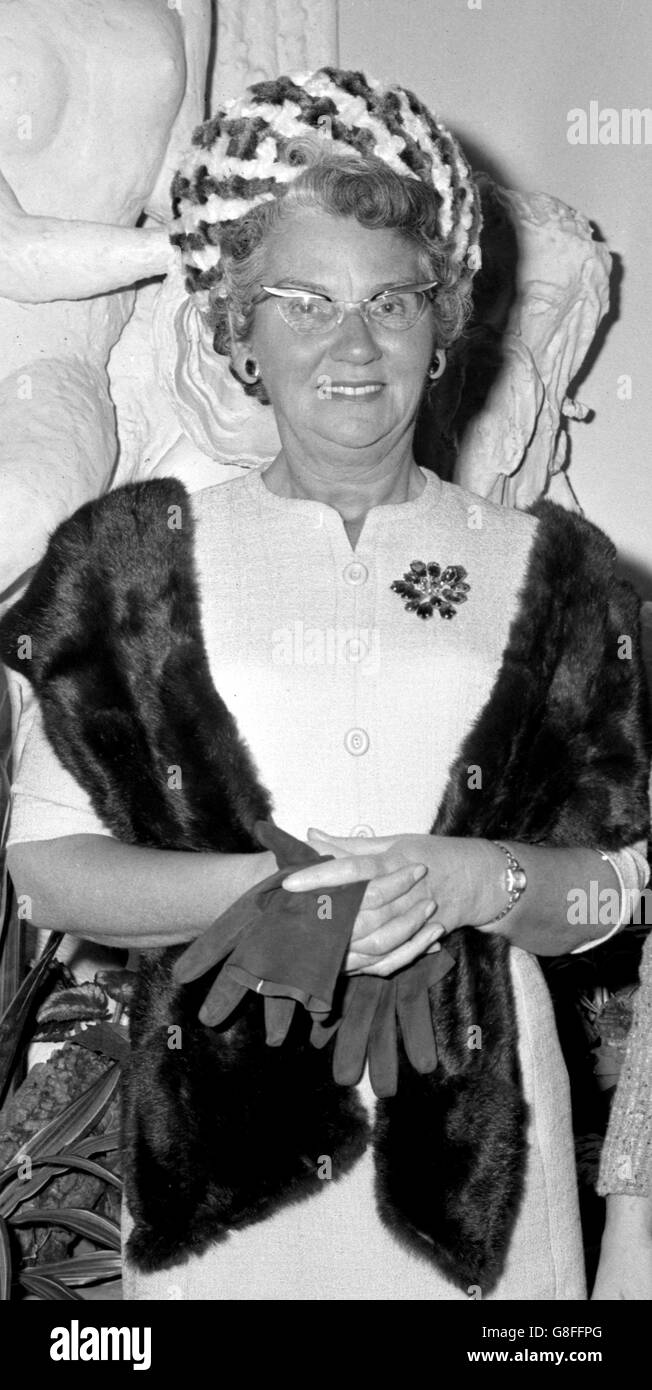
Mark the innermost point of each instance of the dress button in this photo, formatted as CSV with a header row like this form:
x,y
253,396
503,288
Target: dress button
x,y
362,832
355,649
356,741
355,572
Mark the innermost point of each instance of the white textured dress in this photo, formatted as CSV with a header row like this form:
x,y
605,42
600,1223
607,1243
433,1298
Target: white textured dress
x,y
353,710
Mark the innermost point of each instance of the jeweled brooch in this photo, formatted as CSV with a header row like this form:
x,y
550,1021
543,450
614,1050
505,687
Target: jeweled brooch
x,y
427,587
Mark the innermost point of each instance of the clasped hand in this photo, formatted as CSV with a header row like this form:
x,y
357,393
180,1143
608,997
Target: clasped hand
x,y
419,887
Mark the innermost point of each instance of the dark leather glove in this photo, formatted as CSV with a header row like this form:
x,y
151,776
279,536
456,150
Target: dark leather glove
x,y
288,947
371,1010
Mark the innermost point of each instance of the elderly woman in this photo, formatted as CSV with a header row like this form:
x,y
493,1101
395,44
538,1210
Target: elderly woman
x,y
441,697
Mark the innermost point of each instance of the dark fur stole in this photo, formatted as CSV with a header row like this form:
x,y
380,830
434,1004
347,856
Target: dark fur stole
x,y
223,1129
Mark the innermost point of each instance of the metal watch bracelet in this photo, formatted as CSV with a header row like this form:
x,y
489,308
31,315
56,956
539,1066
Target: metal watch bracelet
x,y
516,881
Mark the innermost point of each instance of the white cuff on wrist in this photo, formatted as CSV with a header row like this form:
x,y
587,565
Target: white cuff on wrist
x,y
624,909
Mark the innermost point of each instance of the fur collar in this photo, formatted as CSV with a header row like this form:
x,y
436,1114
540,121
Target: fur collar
x,y
223,1130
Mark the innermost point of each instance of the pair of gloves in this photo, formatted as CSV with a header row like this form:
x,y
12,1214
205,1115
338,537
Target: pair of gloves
x,y
290,949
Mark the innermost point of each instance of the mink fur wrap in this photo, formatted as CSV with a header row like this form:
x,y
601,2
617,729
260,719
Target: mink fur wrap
x,y
222,1130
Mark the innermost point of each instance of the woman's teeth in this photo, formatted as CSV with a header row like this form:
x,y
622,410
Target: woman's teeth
x,y
371,390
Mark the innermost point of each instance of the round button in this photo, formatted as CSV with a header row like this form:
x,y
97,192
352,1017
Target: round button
x,y
355,649
356,742
356,572
363,832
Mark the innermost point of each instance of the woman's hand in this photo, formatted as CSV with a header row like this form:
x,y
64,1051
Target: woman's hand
x,y
461,876
395,923
391,931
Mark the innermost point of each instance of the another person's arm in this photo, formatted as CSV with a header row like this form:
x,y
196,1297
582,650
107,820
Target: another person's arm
x,y
625,1179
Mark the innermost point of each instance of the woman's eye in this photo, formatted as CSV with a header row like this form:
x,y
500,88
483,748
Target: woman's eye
x,y
391,307
308,308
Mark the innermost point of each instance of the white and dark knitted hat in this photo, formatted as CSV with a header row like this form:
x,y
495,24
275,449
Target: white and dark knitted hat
x,y
238,160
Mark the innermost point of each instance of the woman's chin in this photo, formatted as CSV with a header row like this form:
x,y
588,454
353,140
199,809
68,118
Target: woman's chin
x,y
356,429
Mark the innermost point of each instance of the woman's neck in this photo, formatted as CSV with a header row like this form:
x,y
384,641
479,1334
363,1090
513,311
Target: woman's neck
x,y
351,493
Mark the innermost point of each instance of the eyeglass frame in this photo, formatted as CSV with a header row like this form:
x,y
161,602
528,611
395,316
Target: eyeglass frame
x,y
344,305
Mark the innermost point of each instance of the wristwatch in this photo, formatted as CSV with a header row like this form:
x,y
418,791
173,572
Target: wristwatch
x,y
515,880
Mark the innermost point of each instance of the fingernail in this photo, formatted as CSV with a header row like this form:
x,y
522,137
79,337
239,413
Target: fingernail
x,y
419,872
428,910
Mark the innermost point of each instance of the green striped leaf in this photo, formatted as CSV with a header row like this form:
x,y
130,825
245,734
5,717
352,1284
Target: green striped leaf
x,y
84,1269
20,1190
5,1262
48,1288
99,1144
83,1223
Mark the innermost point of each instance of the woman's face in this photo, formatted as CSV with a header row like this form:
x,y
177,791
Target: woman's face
x,y
304,374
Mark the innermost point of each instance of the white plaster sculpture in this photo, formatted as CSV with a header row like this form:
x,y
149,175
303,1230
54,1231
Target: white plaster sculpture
x,y
97,103
258,39
517,442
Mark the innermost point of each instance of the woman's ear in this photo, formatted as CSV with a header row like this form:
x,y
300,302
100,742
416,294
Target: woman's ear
x,y
244,363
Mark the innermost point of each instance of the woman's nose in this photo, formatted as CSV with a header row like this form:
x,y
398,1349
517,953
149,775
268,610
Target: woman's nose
x,y
354,340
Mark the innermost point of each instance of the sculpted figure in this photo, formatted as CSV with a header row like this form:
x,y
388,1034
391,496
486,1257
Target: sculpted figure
x,y
97,103
516,441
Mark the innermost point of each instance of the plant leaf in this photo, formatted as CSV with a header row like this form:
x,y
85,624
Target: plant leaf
x,y
5,1262
16,1015
75,1164
47,1288
20,1189
84,1269
83,1223
107,1038
75,1121
81,1001
61,1133
99,1144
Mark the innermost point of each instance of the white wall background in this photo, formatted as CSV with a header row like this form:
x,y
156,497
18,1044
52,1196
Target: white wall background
x,y
505,76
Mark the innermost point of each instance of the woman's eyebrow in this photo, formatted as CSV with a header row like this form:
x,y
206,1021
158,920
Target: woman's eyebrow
x,y
297,282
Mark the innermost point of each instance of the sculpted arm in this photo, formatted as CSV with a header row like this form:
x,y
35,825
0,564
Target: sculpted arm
x,y
47,258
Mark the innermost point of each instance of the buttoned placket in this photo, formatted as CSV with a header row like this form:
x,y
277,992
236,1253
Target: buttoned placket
x,y
356,608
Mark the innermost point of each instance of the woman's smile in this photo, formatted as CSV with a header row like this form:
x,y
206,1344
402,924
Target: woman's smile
x,y
348,390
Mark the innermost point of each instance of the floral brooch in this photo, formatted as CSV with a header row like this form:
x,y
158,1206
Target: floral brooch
x,y
427,587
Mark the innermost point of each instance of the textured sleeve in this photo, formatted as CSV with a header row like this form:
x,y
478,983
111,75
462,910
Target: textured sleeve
x,y
626,1164
46,801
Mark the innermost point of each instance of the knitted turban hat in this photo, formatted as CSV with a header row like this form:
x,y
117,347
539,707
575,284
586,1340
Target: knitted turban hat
x,y
244,156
